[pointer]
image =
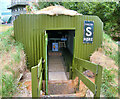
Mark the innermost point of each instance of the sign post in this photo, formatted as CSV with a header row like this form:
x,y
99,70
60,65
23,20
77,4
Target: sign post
x,y
88,32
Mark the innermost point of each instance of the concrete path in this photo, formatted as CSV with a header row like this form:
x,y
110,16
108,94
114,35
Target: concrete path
x,y
56,68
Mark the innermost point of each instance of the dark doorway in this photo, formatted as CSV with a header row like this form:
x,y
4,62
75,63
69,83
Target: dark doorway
x,y
60,52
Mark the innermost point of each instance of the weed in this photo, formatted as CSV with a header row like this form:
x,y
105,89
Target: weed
x,y
8,44
109,49
8,85
5,40
16,57
19,46
109,87
9,69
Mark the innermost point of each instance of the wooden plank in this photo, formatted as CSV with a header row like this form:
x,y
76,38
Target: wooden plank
x,y
98,80
35,42
34,81
46,65
40,45
40,85
39,67
86,64
86,81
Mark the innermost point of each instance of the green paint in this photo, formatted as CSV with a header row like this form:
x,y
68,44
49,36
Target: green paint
x,y
34,81
85,80
29,29
46,65
97,69
36,73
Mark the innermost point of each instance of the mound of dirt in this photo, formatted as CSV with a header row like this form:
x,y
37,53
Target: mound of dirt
x,y
57,10
103,60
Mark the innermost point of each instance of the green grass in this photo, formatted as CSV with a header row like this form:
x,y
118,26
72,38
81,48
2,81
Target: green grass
x,y
7,44
4,27
109,86
6,41
9,69
16,57
109,49
8,85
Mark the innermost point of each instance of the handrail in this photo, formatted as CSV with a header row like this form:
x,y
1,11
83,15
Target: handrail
x,y
36,73
46,65
86,81
78,66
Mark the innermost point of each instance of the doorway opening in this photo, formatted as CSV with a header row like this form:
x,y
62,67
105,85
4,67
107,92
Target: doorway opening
x,y
60,53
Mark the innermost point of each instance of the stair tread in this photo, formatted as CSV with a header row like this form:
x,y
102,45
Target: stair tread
x,y
60,95
59,87
57,76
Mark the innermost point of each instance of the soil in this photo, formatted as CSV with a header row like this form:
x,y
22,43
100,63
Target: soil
x,y
103,60
24,88
100,58
106,62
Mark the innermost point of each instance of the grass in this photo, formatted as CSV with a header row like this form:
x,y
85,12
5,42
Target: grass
x,y
109,86
9,69
13,50
16,57
6,41
4,27
111,48
8,85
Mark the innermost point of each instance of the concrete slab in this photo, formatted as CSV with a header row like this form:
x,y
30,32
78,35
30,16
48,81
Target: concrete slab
x,y
57,76
56,68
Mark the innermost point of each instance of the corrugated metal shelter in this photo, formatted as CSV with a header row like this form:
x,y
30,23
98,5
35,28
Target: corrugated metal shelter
x,y
30,29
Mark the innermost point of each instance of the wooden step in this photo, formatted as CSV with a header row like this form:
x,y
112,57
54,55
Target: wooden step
x,y
61,87
55,53
60,95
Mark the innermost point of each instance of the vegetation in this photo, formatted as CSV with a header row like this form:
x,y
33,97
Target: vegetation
x,y
109,82
8,85
107,11
4,27
109,86
110,48
10,52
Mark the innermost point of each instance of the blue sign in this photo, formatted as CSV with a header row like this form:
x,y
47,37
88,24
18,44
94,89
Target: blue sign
x,y
63,39
88,32
54,46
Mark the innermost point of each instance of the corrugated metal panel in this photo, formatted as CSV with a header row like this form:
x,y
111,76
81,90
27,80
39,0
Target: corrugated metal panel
x,y
29,29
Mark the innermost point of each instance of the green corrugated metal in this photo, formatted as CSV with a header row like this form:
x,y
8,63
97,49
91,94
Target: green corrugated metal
x,y
30,29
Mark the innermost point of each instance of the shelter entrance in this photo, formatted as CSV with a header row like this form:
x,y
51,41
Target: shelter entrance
x,y
60,53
